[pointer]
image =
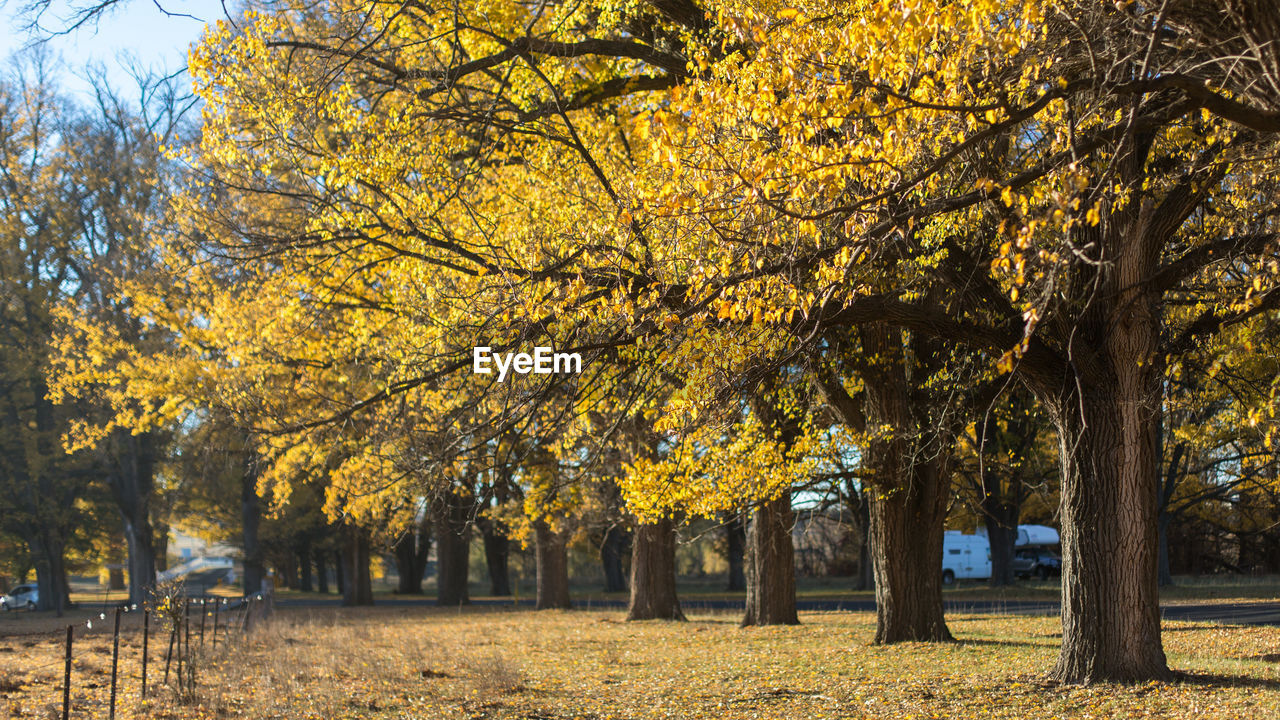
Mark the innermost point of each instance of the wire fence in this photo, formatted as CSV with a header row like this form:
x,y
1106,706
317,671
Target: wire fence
x,y
183,625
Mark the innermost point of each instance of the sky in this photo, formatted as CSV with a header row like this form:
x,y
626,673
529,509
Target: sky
x,y
135,29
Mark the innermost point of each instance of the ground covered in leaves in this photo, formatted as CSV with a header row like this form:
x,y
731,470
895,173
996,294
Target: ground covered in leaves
x,y
486,663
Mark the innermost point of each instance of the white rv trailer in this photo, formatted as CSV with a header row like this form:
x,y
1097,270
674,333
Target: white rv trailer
x,y
965,557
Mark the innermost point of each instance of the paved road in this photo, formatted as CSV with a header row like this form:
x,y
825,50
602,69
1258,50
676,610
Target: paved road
x,y
1237,613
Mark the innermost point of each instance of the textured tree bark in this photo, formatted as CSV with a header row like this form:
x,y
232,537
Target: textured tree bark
x,y
453,549
735,531
612,550
906,546
552,558
908,489
358,590
1108,412
653,573
1110,595
770,565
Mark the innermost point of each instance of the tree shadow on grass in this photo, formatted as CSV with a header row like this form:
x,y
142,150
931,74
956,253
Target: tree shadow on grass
x,y
1004,643
1220,681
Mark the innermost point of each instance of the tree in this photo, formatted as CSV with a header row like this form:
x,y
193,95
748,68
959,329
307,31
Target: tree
x,y
43,491
684,173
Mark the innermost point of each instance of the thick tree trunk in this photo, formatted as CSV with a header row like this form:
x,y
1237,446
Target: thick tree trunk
x,y
906,548
251,520
552,558
1108,412
132,482
1002,534
411,552
735,531
453,549
141,562
497,555
612,551
770,565
358,590
48,555
653,573
909,486
1110,592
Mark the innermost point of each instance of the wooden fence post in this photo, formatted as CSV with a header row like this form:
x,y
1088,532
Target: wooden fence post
x,y
66,678
115,664
146,637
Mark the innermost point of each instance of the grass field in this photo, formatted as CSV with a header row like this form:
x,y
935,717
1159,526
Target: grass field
x,y
711,588
426,663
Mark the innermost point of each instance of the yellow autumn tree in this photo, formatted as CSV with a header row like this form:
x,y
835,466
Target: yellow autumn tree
x,y
1029,181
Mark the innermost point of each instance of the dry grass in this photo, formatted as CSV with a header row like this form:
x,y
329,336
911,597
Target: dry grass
x,y
428,664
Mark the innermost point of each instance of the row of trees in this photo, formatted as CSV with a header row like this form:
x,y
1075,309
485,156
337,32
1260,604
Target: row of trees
x,y
793,244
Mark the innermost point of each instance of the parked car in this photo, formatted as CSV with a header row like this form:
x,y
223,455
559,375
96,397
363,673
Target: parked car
x,y
22,597
1039,562
965,557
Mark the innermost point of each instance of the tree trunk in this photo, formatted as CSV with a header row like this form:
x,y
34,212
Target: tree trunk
x,y
288,569
552,558
160,541
251,520
906,548
358,590
339,574
1110,591
653,573
1108,413
1163,504
771,566
909,487
132,483
453,549
304,567
48,555
1002,534
497,553
612,551
735,531
322,572
1164,573
866,568
411,552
